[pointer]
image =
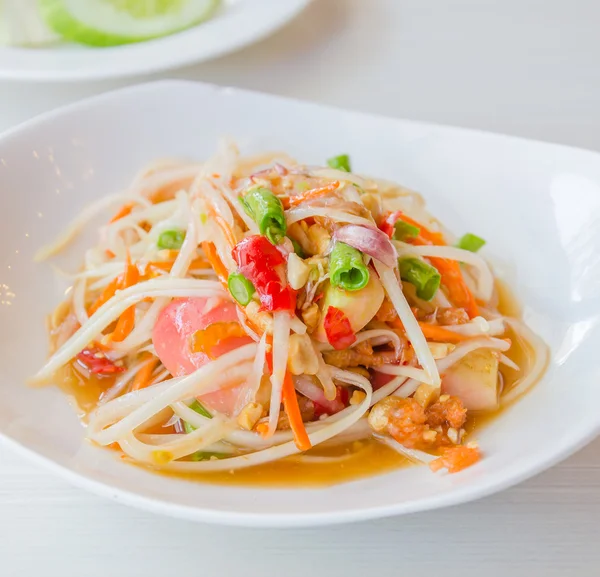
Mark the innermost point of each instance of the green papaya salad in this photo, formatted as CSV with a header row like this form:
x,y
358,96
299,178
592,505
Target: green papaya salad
x,y
249,310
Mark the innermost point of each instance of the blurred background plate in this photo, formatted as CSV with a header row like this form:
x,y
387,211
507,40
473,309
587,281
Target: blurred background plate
x,y
237,24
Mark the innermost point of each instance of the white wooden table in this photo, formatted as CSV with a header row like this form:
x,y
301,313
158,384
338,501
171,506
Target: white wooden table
x,y
526,67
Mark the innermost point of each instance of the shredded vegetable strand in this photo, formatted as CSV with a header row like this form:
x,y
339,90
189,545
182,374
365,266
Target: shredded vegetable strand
x,y
281,339
411,326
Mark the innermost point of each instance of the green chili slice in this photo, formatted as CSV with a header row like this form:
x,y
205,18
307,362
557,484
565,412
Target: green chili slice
x,y
347,268
404,231
341,162
199,408
423,276
171,239
267,211
470,242
240,287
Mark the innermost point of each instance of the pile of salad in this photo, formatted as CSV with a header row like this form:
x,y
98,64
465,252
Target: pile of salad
x,y
246,310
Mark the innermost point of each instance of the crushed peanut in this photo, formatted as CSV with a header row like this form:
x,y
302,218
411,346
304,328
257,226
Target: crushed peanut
x,y
357,397
310,316
444,398
297,271
426,395
261,319
249,416
453,435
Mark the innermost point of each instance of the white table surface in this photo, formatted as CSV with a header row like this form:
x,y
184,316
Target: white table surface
x,y
526,67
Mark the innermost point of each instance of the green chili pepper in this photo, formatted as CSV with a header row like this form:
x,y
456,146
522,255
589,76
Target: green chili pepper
x,y
341,162
404,231
298,248
240,287
423,276
347,268
199,408
171,239
470,242
267,211
206,456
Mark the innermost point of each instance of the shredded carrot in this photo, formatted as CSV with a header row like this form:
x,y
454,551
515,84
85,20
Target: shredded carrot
x,y
263,429
123,211
126,321
124,325
314,193
437,333
107,294
199,263
144,376
166,266
426,236
109,253
213,257
227,231
292,409
132,274
204,340
449,270
453,280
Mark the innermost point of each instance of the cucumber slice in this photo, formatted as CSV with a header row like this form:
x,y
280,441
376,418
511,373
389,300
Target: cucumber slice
x,y
21,24
115,22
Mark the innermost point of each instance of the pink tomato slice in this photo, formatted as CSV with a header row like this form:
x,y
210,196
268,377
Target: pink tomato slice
x,y
171,337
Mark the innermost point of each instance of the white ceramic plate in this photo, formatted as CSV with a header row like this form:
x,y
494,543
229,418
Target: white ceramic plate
x,y
538,205
237,24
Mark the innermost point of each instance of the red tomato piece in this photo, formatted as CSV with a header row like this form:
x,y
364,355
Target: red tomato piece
x,y
177,323
338,329
172,334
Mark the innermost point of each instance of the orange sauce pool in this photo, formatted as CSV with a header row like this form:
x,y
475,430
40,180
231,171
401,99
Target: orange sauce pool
x,y
346,462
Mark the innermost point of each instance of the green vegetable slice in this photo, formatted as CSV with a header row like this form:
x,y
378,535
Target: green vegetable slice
x,y
347,268
470,242
240,287
266,210
298,248
171,239
199,408
404,231
341,162
206,456
423,276
115,22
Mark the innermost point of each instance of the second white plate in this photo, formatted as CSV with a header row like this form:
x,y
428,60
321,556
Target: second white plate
x,y
237,24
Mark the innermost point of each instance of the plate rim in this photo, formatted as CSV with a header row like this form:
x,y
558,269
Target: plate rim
x,y
85,71
580,436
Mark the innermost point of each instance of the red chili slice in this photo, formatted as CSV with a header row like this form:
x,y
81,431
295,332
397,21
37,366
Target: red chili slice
x,y
257,260
338,329
98,365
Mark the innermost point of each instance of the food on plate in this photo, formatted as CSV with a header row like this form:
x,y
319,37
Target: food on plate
x,y
249,313
98,22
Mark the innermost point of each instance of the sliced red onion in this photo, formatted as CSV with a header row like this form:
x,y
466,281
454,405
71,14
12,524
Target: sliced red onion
x,y
369,240
280,169
306,386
